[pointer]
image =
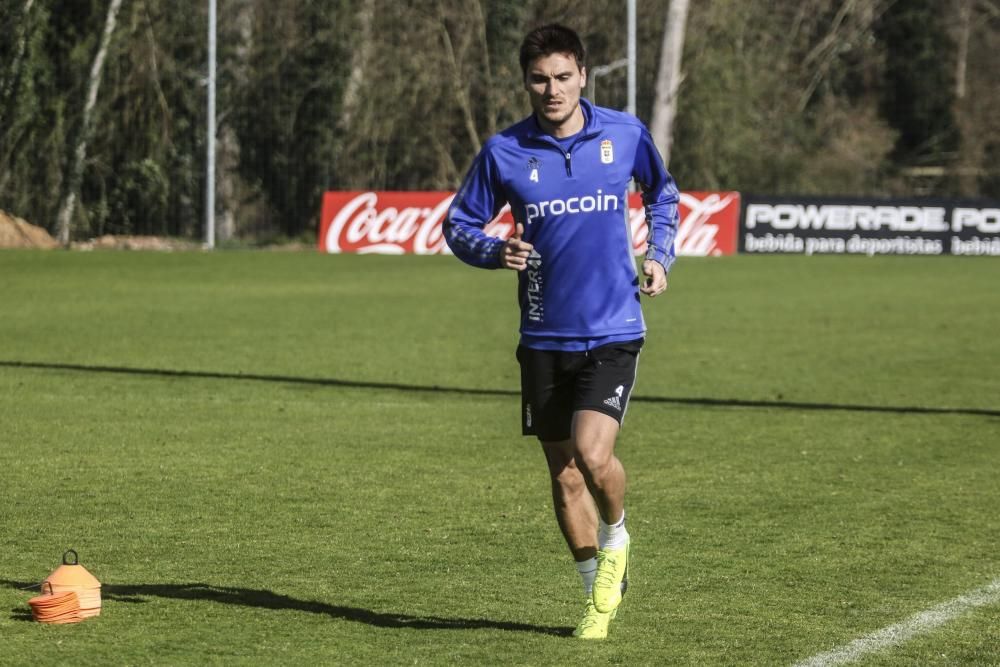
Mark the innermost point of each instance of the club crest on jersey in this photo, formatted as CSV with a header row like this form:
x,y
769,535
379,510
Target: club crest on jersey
x,y
607,152
533,166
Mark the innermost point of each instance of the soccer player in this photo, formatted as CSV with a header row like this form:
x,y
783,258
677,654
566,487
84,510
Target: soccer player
x,y
565,171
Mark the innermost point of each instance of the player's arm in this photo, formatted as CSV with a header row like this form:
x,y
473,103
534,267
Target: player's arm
x,y
660,198
478,201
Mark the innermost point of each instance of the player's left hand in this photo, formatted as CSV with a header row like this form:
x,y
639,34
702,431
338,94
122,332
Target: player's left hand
x,y
656,278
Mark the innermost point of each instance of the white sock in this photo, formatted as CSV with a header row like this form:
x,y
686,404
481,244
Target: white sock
x,y
614,536
588,570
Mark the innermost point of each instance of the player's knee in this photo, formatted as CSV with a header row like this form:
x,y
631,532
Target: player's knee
x,y
558,457
595,462
568,478
571,479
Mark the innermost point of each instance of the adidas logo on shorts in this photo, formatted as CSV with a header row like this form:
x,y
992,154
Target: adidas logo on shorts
x,y
616,400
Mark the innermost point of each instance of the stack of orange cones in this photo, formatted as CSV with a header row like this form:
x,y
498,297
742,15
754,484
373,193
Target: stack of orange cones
x,y
56,607
71,577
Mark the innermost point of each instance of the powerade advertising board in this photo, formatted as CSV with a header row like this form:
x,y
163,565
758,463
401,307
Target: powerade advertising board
x,y
841,226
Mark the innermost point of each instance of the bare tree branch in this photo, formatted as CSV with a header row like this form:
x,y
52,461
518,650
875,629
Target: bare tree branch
x,y
830,40
7,83
827,50
962,57
459,86
489,93
990,7
154,64
359,65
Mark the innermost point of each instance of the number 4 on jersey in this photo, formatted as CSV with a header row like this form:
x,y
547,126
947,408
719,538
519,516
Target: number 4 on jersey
x,y
534,176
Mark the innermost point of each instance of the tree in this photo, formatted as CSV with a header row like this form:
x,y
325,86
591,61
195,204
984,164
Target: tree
x,y
231,185
810,97
79,156
918,92
8,80
24,108
668,80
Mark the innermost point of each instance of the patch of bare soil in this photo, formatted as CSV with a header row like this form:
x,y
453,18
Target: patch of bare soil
x,y
16,232
295,246
116,242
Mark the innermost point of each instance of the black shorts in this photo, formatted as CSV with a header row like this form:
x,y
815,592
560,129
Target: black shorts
x,y
555,384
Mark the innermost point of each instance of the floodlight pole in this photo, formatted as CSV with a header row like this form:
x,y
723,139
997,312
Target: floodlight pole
x,y
601,70
210,139
630,56
627,61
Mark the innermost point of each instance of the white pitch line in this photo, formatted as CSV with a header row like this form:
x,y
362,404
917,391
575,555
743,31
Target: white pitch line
x,y
899,633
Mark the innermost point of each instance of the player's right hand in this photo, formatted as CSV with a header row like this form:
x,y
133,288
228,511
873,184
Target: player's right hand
x,y
515,252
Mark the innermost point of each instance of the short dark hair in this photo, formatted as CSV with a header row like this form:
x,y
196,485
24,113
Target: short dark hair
x,y
549,39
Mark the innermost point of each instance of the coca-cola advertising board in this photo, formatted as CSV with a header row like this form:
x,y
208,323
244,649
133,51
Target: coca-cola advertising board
x,y
398,223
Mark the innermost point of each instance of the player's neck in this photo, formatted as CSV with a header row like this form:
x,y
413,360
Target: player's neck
x,y
572,125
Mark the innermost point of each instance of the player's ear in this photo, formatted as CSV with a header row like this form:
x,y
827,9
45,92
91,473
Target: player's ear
x,y
583,76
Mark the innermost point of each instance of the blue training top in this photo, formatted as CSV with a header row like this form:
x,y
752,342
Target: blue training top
x,y
581,288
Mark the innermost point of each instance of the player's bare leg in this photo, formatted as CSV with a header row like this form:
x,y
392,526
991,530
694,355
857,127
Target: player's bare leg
x,y
578,521
574,507
594,435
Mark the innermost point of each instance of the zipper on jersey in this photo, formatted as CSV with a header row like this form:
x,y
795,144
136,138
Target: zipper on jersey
x,y
568,153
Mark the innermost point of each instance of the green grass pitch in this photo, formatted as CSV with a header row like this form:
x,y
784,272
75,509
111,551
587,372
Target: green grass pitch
x,y
292,458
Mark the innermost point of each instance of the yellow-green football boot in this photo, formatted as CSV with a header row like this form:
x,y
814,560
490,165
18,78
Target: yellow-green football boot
x,y
611,580
594,624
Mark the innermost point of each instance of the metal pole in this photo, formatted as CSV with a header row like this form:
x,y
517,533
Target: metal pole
x,y
601,70
210,140
630,55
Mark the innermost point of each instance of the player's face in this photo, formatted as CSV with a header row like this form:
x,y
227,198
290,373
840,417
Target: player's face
x,y
554,83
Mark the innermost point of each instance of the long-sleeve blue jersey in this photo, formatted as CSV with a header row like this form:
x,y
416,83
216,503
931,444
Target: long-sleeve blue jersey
x,y
581,287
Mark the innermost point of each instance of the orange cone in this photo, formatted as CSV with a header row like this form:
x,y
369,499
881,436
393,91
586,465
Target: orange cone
x,y
55,607
74,578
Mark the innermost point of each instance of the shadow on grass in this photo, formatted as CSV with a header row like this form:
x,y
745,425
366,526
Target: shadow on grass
x,y
260,599
21,614
357,384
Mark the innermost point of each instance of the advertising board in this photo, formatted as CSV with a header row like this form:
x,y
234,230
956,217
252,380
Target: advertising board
x,y
396,222
810,226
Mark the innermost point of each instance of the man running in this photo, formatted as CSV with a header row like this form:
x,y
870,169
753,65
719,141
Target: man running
x,y
565,171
